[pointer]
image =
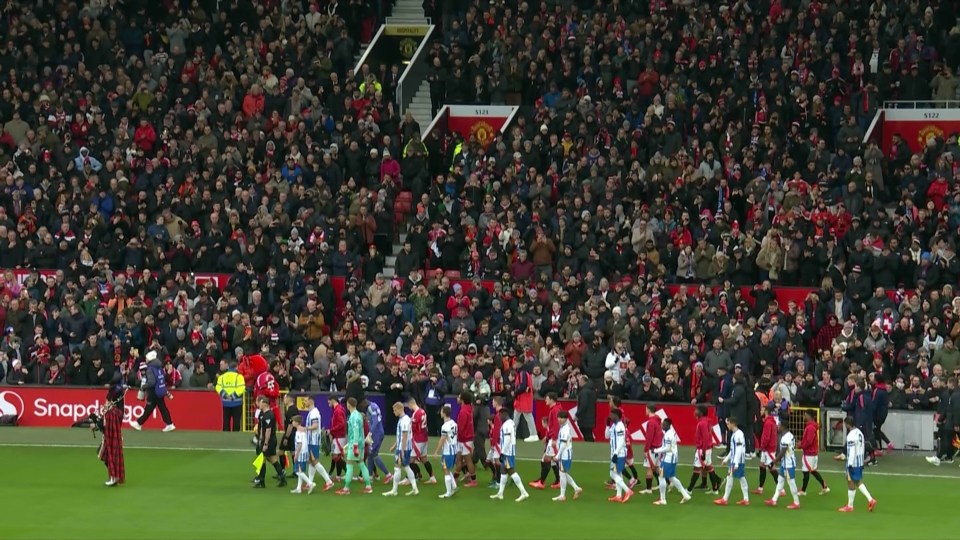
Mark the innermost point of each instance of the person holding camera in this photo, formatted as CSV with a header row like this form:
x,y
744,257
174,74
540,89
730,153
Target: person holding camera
x,y
154,388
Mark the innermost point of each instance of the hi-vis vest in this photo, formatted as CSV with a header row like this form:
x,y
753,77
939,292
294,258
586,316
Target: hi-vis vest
x,y
457,150
231,386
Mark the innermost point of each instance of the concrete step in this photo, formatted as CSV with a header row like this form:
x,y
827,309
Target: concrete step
x,y
390,261
410,20
389,272
403,238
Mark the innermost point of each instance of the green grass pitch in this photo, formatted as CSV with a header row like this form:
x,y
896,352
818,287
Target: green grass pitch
x,y
184,485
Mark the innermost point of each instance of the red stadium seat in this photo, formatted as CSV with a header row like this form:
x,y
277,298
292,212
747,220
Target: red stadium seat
x,y
452,274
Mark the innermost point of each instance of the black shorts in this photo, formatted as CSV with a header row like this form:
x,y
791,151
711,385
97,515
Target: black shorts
x,y
271,450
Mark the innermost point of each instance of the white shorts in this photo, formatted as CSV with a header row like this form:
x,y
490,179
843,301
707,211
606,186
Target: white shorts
x,y
550,451
766,459
706,461
493,455
336,449
650,461
420,450
808,463
466,448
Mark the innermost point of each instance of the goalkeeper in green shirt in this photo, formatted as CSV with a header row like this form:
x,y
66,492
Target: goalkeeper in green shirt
x,y
356,441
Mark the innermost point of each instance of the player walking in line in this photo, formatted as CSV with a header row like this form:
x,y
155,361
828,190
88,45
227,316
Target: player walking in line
x,y
493,455
669,454
768,447
653,439
548,461
508,458
856,448
314,433
301,456
267,442
630,475
703,454
465,439
810,446
737,458
404,451
356,439
338,436
787,458
418,422
617,433
448,444
564,457
375,420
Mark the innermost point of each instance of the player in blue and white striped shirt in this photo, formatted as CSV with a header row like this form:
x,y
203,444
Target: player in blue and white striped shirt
x,y
448,443
314,432
564,457
617,433
737,458
787,458
508,458
301,456
669,454
856,447
404,451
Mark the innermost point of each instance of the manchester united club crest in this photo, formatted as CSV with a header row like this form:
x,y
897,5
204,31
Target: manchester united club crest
x,y
482,132
928,133
408,46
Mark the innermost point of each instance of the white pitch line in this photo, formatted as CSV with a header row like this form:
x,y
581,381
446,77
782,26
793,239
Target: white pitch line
x,y
870,472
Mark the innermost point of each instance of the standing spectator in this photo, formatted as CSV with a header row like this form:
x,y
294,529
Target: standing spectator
x,y
231,387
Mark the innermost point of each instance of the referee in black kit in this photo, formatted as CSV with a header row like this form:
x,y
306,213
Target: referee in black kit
x,y
267,441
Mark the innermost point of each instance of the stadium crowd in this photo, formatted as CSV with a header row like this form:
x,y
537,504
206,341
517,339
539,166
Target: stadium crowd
x,y
717,145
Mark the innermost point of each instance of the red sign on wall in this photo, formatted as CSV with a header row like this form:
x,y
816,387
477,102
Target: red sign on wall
x,y
917,126
482,122
39,406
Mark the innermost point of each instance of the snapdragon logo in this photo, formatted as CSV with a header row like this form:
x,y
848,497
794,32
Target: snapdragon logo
x,y
78,411
11,404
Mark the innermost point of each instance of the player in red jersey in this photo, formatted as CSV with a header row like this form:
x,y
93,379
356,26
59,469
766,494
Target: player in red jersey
x,y
493,455
465,439
769,442
810,446
418,419
653,439
552,446
703,454
338,436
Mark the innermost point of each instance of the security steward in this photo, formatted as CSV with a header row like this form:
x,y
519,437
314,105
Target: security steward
x,y
231,387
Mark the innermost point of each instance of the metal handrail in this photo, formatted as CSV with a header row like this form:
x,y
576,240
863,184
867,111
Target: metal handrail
x,y
921,104
363,57
414,74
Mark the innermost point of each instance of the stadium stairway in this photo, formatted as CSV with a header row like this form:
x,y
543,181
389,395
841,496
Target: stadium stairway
x,y
420,105
390,261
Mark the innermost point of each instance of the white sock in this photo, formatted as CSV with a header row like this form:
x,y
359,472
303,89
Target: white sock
x,y
677,484
793,490
516,480
503,484
620,485
866,493
446,482
323,473
311,471
727,488
776,491
396,479
745,489
302,479
563,484
411,478
851,494
299,480
662,486
570,481
613,476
